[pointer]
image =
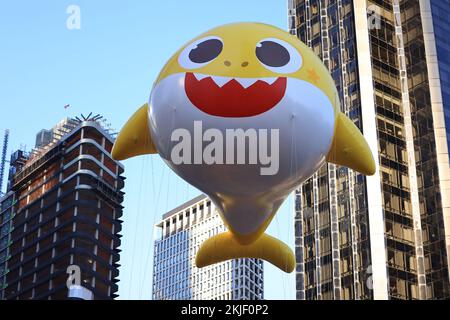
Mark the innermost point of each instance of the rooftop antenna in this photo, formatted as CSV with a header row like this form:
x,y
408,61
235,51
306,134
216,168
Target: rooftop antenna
x,y
88,117
3,159
97,117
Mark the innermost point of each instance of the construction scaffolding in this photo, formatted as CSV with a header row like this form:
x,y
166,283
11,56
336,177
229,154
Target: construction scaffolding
x,y
3,159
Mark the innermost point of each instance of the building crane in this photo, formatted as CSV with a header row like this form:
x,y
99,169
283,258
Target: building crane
x,y
3,159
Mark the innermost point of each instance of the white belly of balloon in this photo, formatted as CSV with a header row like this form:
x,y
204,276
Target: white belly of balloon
x,y
247,166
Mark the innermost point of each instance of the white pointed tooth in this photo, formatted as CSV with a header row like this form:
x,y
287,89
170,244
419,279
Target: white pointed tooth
x,y
200,76
246,82
220,81
269,80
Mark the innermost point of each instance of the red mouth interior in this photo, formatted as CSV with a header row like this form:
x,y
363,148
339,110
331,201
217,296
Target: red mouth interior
x,y
232,99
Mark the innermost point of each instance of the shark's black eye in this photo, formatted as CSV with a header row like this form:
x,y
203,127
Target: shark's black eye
x,y
206,51
278,56
200,52
272,54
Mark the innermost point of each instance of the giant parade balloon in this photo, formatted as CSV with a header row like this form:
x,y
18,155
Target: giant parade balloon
x,y
245,112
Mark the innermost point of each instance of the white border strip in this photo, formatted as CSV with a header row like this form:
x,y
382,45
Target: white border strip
x,y
374,197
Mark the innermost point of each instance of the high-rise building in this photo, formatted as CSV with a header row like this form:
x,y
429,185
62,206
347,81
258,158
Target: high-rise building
x,y
175,276
385,236
63,210
43,138
6,207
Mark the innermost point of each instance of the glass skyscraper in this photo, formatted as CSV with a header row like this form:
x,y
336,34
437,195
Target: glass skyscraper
x,y
175,276
440,11
385,236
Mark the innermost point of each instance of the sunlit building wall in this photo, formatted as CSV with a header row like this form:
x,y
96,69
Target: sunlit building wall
x,y
175,276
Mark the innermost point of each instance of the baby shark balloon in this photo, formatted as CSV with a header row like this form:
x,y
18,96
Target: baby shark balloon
x,y
245,113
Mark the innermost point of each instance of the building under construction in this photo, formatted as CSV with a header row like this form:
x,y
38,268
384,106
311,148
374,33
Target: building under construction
x,y
63,208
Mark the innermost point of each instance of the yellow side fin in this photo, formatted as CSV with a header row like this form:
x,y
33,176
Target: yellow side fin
x,y
134,139
225,246
349,148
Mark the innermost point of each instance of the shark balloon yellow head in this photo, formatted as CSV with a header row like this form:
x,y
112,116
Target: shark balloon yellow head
x,y
245,112
244,69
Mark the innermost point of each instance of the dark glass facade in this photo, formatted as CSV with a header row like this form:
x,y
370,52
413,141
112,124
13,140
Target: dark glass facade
x,y
330,227
6,213
333,224
432,219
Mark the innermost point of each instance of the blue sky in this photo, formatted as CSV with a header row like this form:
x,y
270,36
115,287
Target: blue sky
x,y
108,67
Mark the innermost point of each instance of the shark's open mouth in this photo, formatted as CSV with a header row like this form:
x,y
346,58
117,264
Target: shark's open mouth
x,y
234,97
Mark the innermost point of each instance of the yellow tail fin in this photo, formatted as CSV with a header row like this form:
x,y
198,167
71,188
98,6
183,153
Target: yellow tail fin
x,y
225,246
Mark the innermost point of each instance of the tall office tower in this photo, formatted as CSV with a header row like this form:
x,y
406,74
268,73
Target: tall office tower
x,y
385,236
65,216
175,276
